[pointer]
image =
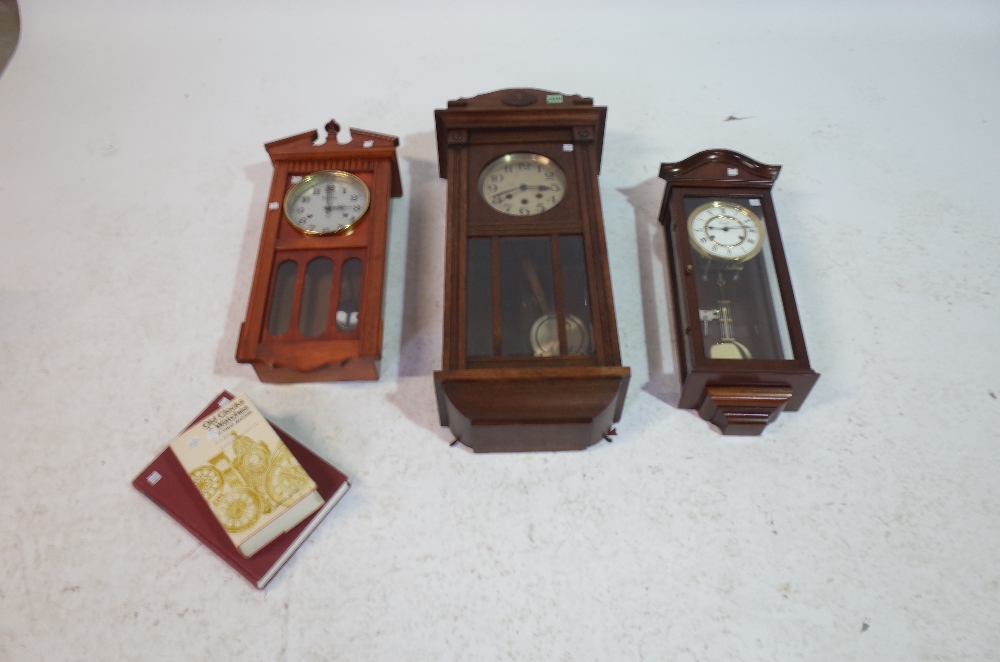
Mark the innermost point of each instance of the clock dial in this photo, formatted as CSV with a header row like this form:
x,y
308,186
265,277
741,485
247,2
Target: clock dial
x,y
726,231
326,202
522,184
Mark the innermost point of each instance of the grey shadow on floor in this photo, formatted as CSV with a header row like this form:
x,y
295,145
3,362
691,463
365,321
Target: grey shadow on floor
x,y
10,30
259,175
421,325
657,310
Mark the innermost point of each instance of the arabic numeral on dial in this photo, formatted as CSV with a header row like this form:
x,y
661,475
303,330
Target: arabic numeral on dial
x,y
540,207
357,208
496,178
345,215
548,174
507,207
496,199
704,240
751,241
354,197
306,199
524,166
508,169
555,187
524,211
299,210
492,188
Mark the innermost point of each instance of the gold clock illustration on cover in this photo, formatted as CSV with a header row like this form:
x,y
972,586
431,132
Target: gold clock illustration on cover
x,y
725,231
522,184
284,477
327,202
253,482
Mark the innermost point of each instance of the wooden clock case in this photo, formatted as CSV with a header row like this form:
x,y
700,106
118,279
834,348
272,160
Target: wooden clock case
x,y
327,352
499,403
740,397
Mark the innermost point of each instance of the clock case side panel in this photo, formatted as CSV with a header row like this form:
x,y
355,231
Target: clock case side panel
x,y
356,356
774,385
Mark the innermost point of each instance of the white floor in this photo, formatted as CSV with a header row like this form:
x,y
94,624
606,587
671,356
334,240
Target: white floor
x,y
133,184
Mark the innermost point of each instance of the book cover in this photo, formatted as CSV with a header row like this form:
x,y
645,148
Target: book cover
x,y
167,484
253,484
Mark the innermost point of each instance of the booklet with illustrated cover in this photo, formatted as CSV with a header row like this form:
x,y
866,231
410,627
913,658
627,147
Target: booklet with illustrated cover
x,y
254,486
169,484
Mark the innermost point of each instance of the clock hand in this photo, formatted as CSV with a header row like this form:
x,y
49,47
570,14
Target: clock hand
x,y
524,187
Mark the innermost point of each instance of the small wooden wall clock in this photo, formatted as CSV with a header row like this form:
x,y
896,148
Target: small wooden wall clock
x,y
315,310
530,359
741,352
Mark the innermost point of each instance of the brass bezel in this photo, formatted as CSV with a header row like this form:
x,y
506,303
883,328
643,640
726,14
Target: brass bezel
x,y
740,258
310,180
521,157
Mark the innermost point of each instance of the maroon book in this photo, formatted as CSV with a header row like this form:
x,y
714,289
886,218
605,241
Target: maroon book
x,y
168,485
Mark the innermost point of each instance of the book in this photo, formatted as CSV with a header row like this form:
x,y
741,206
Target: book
x,y
253,484
169,486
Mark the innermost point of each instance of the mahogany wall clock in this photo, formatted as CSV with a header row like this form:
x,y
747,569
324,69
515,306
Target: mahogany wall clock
x,y
741,352
530,359
315,310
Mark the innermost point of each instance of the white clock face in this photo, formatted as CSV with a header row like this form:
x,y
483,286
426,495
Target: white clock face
x,y
522,184
725,231
326,202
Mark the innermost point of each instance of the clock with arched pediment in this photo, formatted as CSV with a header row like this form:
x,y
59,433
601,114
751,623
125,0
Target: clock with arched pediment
x,y
741,351
530,358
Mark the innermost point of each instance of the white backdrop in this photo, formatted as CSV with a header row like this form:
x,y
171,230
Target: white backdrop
x,y
133,186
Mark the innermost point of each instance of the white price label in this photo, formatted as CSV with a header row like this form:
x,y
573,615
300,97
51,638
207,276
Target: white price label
x,y
568,147
154,478
296,179
754,202
732,172
368,143
272,205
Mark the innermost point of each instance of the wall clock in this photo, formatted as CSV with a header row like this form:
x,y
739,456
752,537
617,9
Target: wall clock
x,y
530,359
315,309
741,351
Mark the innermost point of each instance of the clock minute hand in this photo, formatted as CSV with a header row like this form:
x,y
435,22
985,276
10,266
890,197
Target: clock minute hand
x,y
525,187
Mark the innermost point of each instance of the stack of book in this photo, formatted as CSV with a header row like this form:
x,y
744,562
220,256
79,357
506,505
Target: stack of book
x,y
246,489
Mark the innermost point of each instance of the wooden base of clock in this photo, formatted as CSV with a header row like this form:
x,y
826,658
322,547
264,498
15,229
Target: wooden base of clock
x,y
525,410
743,410
335,361
744,407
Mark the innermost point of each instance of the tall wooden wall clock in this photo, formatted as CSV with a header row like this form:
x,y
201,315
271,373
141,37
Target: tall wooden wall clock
x,y
530,359
741,352
315,310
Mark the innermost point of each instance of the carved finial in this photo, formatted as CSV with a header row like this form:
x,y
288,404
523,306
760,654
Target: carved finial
x,y
332,129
